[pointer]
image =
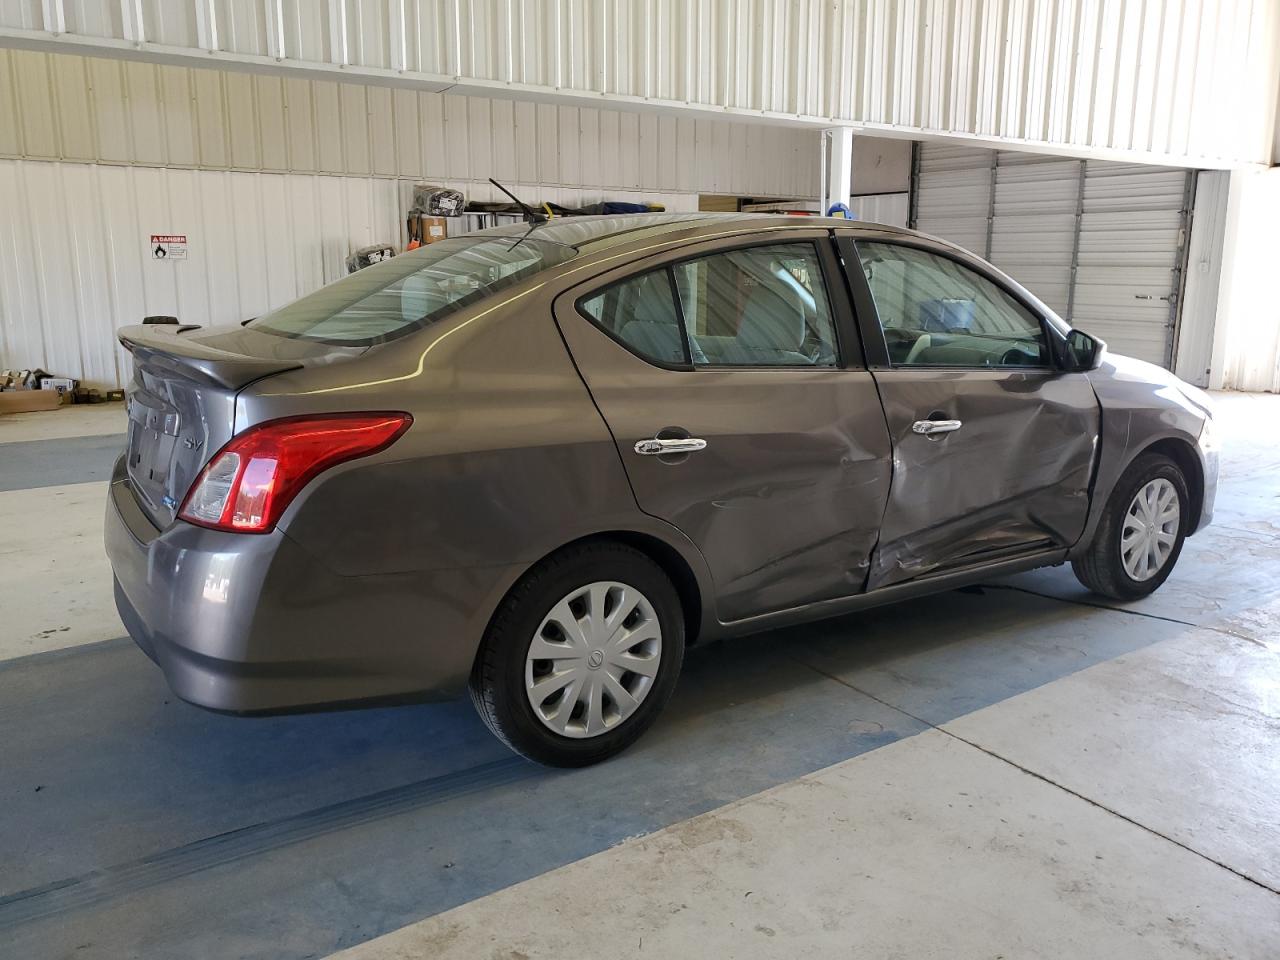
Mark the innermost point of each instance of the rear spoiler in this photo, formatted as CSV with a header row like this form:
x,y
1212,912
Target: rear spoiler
x,y
163,346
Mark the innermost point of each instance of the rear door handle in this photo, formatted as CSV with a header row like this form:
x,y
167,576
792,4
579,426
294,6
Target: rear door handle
x,y
654,447
930,428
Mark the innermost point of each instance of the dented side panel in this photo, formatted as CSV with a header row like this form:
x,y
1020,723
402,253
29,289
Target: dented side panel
x,y
785,501
1015,476
1144,404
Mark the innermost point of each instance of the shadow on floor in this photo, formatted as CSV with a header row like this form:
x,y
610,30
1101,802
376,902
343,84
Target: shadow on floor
x,y
341,826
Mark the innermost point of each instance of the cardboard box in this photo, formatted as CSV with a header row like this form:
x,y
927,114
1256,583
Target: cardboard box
x,y
24,401
61,384
434,228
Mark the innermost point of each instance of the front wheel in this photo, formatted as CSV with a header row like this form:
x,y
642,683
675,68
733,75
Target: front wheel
x,y
1141,532
581,656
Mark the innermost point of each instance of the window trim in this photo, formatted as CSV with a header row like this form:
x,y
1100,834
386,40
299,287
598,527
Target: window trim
x,y
828,264
868,315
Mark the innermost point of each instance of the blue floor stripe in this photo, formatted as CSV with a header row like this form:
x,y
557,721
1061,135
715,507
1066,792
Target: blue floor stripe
x,y
296,836
27,464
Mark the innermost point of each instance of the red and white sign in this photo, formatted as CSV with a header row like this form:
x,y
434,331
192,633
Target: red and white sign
x,y
168,246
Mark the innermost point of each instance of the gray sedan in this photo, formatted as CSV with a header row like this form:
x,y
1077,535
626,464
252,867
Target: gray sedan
x,y
538,462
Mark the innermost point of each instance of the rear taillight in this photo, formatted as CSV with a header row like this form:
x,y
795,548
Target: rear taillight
x,y
249,482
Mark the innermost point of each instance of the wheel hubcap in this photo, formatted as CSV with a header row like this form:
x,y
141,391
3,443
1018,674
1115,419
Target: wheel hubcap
x,y
1150,529
593,659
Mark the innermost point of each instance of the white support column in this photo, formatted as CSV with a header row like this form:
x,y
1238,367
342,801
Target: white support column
x,y
1246,334
837,146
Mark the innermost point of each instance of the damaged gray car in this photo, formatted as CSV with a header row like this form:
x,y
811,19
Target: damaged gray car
x,y
538,462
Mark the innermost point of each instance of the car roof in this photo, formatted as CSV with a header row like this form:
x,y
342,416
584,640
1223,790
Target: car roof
x,y
591,233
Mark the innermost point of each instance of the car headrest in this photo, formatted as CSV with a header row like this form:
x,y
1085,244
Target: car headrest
x,y
657,340
772,319
653,327
653,302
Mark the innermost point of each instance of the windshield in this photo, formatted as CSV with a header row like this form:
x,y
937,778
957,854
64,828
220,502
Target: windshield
x,y
391,299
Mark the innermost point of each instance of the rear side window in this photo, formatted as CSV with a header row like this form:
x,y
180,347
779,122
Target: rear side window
x,y
641,314
758,307
408,292
763,306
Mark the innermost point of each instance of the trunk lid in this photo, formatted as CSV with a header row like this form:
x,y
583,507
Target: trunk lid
x,y
182,401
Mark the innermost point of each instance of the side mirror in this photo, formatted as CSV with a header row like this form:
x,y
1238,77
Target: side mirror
x,y
1084,352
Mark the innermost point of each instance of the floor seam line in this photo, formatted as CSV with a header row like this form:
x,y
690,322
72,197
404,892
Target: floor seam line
x,y
1041,777
103,884
1137,613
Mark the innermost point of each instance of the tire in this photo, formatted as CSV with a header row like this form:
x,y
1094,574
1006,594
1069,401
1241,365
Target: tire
x,y
1102,567
544,607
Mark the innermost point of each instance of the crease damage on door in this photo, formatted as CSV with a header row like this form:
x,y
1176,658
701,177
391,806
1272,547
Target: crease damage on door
x,y
1039,501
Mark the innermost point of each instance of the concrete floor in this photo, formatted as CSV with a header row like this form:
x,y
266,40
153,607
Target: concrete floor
x,y
1016,770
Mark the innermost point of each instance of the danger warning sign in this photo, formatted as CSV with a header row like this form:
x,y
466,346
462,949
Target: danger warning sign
x,y
168,246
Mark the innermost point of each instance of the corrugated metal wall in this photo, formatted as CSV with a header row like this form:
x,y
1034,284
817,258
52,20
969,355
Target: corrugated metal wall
x,y
1187,81
1099,242
75,262
75,256
234,161
56,106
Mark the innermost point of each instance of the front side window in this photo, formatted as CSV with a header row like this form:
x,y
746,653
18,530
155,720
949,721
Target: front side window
x,y
400,295
936,312
758,306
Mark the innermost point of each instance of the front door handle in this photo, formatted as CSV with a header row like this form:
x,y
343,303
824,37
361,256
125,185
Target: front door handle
x,y
654,447
931,428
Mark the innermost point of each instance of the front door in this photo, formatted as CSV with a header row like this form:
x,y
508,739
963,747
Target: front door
x,y
993,448
730,377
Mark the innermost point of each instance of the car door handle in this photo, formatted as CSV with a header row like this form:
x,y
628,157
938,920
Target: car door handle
x,y
931,428
651,448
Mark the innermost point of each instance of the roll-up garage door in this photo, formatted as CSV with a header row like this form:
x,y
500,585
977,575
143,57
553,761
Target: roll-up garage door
x,y
953,194
1033,230
1101,243
1130,266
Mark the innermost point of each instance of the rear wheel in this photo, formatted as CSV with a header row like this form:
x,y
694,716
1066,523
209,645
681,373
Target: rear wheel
x,y
1140,536
581,656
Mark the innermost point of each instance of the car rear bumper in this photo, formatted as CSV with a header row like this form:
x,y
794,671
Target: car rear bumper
x,y
246,623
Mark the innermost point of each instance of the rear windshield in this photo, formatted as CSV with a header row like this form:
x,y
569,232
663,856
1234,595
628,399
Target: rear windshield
x,y
391,299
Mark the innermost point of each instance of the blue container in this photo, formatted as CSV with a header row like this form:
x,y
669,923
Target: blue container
x,y
947,316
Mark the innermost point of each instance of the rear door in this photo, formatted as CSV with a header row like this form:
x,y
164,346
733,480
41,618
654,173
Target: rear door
x,y
993,447
730,377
